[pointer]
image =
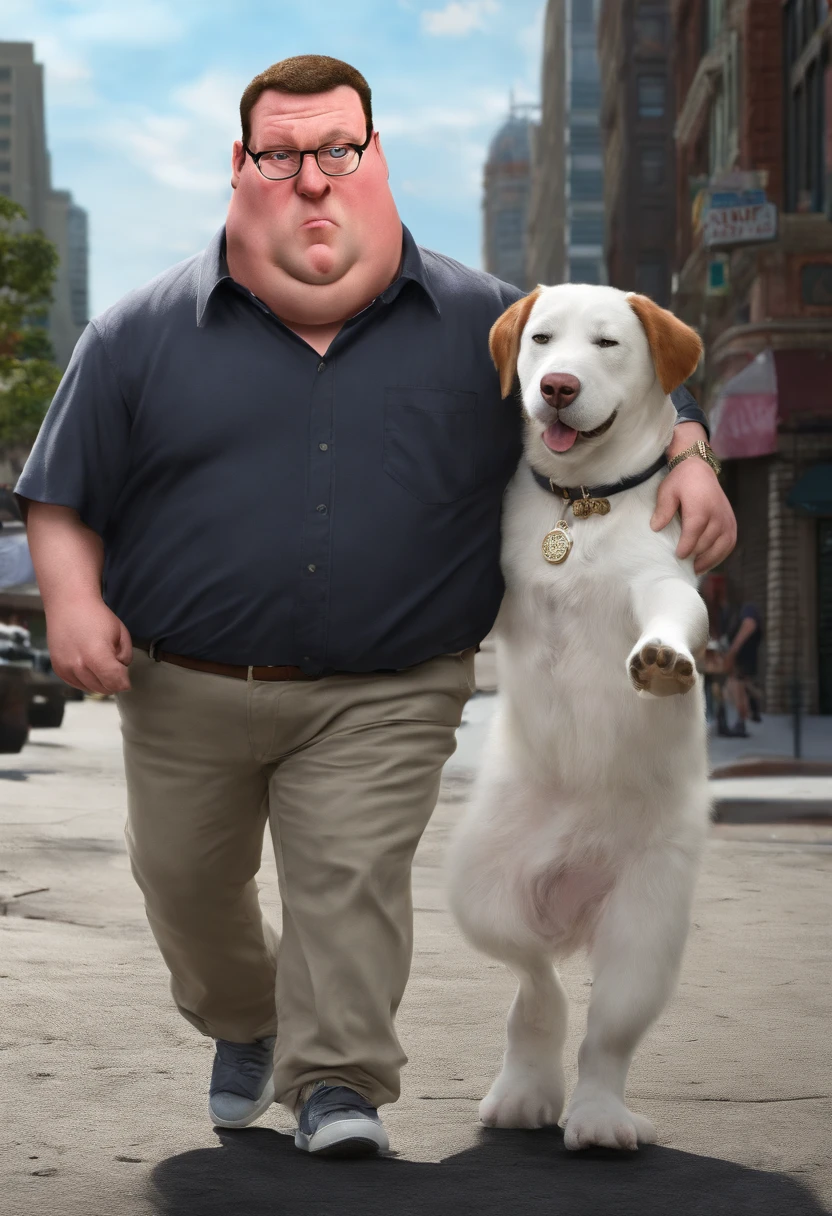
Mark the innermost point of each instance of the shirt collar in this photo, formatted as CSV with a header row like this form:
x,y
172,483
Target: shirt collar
x,y
213,269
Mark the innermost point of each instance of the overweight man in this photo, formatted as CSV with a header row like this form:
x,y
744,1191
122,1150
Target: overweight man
x,y
264,510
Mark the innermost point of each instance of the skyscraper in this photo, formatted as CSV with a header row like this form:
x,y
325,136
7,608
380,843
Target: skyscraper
x,y
566,216
507,181
25,177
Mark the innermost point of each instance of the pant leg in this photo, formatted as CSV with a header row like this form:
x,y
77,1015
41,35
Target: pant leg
x,y
347,811
197,795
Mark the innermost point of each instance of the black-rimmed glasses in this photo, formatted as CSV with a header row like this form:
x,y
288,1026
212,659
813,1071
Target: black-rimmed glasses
x,y
335,160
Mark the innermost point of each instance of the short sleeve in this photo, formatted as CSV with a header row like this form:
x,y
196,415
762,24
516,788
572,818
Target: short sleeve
x,y
687,409
80,456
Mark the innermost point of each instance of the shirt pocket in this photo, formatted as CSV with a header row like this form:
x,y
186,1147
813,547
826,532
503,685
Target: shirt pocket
x,y
430,442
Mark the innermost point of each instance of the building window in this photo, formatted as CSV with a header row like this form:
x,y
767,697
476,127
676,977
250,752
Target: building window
x,y
585,95
5,166
584,270
5,145
808,99
651,96
651,35
587,229
652,166
585,140
5,74
586,185
5,120
5,99
651,277
714,14
724,140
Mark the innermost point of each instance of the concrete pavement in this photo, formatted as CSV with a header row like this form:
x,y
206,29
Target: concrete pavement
x,y
104,1085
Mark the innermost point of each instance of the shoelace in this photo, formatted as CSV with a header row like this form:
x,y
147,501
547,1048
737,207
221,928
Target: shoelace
x,y
239,1060
331,1098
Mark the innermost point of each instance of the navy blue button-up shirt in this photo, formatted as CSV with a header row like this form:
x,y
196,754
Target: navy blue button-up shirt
x,y
262,504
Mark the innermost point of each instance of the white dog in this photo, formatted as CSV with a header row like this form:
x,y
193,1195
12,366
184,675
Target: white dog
x,y
591,811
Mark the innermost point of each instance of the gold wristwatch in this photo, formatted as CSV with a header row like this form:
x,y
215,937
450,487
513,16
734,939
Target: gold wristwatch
x,y
700,448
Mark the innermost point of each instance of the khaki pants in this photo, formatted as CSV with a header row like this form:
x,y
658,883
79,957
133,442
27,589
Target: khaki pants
x,y
346,771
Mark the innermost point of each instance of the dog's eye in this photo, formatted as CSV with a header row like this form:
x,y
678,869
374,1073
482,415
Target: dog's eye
x,y
606,342
542,339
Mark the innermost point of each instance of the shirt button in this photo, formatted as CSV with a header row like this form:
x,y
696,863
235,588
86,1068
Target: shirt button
x,y
323,446
321,507
311,568
321,366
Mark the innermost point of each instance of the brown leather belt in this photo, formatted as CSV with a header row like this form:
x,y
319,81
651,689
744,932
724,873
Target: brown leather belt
x,y
235,670
241,672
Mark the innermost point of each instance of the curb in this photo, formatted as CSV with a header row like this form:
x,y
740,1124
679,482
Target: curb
x,y
772,810
773,766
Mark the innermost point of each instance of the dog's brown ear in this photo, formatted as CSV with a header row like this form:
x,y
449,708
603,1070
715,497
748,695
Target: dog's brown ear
x,y
675,348
504,338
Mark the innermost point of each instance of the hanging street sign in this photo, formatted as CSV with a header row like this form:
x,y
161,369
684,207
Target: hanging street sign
x,y
739,218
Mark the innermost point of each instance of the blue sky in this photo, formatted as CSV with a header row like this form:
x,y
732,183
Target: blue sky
x,y
142,107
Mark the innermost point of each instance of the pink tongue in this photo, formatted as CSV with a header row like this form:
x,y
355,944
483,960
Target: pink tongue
x,y
558,437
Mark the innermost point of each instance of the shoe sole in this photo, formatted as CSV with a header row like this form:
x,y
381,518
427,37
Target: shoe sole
x,y
346,1138
260,1107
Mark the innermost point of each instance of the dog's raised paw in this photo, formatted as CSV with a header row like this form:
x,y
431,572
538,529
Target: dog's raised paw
x,y
606,1123
658,668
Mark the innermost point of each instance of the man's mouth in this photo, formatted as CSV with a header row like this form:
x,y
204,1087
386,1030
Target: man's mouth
x,y
560,438
318,223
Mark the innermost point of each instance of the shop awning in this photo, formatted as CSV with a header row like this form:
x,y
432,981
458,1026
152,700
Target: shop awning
x,y
784,386
812,493
743,419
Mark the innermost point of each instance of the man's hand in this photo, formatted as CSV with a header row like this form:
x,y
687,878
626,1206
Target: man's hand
x,y
709,530
89,647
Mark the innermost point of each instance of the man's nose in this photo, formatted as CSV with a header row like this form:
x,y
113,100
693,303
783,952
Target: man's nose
x,y
559,389
311,180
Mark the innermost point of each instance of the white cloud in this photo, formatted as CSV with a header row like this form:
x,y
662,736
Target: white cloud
x,y
458,18
140,23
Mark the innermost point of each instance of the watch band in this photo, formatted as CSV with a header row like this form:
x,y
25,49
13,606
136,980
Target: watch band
x,y
700,448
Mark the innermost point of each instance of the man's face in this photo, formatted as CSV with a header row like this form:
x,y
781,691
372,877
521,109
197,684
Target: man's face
x,y
311,227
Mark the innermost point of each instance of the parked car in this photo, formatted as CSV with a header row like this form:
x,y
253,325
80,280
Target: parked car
x,y
15,687
47,694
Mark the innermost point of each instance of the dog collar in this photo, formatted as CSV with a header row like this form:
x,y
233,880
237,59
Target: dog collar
x,y
588,500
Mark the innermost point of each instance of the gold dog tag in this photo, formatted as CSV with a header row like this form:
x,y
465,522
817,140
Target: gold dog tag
x,y
582,508
557,543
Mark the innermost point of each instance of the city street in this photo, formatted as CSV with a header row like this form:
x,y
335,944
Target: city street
x,y
105,1086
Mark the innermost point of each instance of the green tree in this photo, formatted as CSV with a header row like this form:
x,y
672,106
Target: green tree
x,y
28,374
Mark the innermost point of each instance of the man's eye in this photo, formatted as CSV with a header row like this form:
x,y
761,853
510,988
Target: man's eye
x,y
605,342
336,153
541,339
278,155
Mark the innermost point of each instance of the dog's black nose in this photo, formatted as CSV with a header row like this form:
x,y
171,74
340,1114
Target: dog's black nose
x,y
560,389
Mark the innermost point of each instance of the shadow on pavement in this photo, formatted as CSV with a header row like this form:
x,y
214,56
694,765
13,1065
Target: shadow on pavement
x,y
259,1172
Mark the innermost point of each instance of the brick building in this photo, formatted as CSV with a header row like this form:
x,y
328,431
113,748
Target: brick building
x,y
754,257
637,117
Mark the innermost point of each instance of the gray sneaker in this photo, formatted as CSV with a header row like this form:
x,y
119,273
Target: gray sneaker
x,y
242,1082
337,1122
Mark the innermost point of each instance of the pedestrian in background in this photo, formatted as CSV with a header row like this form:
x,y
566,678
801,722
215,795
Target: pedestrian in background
x,y
264,509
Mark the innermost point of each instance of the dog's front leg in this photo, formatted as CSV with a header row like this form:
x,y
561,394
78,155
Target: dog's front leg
x,y
635,960
529,1090
673,625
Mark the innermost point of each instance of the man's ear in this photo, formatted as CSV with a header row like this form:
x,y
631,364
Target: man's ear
x,y
675,347
504,339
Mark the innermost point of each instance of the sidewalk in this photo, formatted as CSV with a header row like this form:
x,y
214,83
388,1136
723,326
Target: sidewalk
x,y
755,780
104,1086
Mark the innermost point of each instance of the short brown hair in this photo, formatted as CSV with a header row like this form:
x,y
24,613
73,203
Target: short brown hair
x,y
305,74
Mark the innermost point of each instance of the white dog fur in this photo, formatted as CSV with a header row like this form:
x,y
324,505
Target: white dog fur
x,y
591,810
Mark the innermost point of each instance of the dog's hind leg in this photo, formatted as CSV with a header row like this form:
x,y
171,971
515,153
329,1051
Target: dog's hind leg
x,y
635,961
529,1090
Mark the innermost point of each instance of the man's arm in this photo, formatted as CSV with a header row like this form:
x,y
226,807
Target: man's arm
x,y
748,626
88,645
